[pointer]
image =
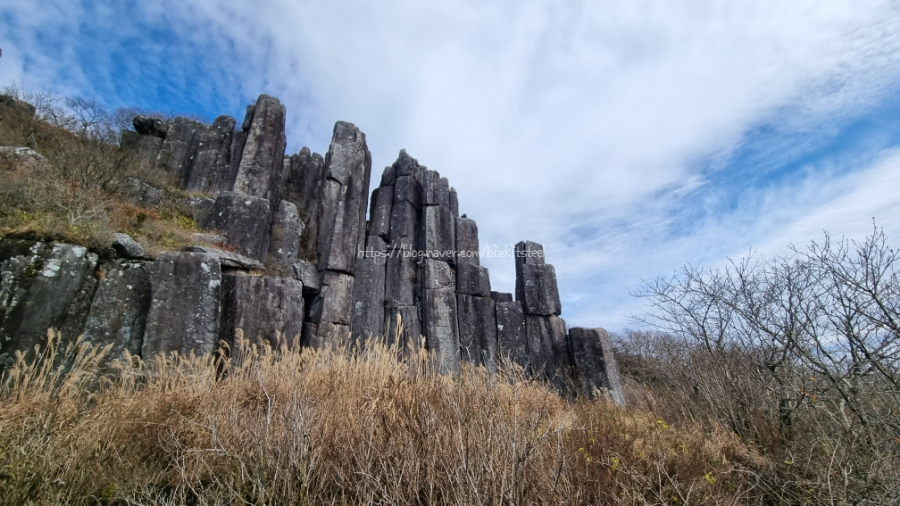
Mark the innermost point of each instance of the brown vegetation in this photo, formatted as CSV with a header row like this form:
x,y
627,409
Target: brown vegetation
x,y
76,192
330,428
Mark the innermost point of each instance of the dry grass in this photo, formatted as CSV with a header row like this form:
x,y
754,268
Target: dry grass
x,y
336,428
74,193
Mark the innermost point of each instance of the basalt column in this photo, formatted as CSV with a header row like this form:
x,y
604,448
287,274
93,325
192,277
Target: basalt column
x,y
475,307
536,289
341,221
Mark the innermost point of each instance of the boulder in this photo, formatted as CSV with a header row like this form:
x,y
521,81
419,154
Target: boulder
x,y
473,279
540,290
345,195
594,364
244,220
141,193
148,125
126,247
118,313
262,159
184,308
268,310
477,330
42,286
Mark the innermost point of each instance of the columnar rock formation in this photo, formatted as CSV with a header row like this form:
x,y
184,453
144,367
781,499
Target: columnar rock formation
x,y
303,266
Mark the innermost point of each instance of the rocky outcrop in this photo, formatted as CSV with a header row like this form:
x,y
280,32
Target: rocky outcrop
x,y
118,313
268,310
288,256
594,365
42,286
184,308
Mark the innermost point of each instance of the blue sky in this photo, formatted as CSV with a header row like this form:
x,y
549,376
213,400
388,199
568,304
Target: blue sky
x,y
628,137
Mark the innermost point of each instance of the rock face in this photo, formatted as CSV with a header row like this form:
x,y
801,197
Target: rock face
x,y
244,221
267,309
288,254
262,158
118,313
42,286
594,365
184,308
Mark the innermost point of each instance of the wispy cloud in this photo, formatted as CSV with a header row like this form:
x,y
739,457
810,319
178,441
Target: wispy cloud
x,y
628,137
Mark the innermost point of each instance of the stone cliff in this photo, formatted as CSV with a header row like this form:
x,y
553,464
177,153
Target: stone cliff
x,y
291,257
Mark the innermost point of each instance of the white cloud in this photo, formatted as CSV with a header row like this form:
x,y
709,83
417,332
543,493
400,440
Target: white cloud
x,y
575,124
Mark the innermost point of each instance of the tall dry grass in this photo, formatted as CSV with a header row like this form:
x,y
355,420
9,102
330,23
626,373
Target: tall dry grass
x,y
332,427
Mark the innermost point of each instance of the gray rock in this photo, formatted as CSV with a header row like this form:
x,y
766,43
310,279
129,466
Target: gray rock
x,y
262,160
200,208
540,290
388,176
326,335
501,297
13,109
175,155
20,152
548,353
308,274
441,327
267,309
368,293
467,242
126,247
345,195
210,170
405,165
284,237
141,193
244,220
512,339
454,203
594,364
530,253
439,275
404,225
307,172
49,286
477,330
407,189
404,327
227,259
437,190
119,309
334,301
440,237
145,147
148,125
402,277
184,307
382,205
473,280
